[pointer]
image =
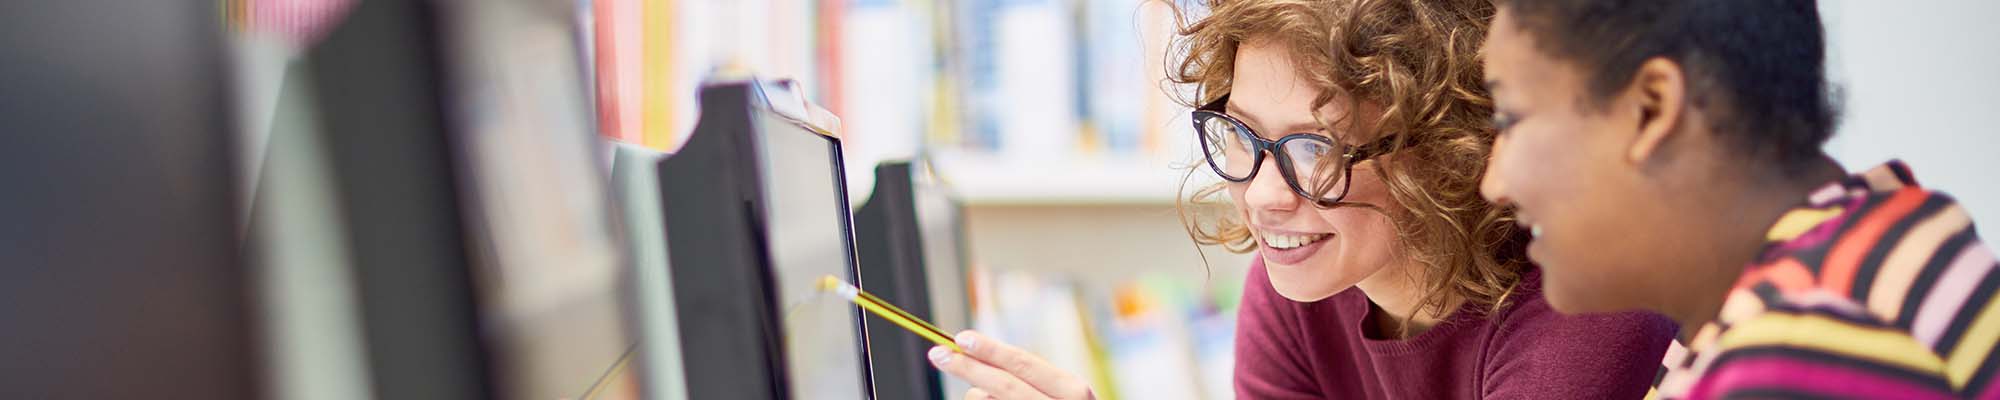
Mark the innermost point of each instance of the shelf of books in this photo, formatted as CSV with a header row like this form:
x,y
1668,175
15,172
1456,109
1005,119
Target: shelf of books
x,y
1023,101
1155,336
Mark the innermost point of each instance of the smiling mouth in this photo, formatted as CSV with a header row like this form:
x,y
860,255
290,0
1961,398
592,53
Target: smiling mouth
x,y
1521,220
1283,241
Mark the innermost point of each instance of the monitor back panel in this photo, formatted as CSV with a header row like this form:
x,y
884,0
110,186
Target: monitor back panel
x,y
123,276
891,247
755,212
713,217
379,80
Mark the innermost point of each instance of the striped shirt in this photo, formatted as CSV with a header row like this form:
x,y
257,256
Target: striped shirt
x,y
1876,288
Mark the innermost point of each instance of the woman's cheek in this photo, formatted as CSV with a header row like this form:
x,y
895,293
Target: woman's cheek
x,y
1369,232
1362,230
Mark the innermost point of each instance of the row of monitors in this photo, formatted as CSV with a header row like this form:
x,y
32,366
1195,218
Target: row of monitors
x,y
430,218
755,211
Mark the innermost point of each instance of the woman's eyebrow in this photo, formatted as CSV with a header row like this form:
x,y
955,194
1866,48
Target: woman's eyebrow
x,y
1247,118
1230,108
1302,127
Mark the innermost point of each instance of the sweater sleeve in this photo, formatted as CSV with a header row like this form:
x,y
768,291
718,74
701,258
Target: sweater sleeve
x,y
1268,356
1540,354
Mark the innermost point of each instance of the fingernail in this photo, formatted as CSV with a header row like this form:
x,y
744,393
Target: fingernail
x,y
939,355
965,340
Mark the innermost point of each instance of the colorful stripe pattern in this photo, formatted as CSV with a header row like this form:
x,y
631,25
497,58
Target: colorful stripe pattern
x,y
1876,288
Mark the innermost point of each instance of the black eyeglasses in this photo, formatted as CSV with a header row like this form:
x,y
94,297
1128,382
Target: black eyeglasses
x,y
1236,153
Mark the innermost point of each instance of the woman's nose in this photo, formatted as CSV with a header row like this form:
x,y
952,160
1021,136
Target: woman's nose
x,y
1268,190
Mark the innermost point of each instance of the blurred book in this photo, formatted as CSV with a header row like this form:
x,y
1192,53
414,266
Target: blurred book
x,y
1151,349
1212,322
883,73
1167,128
1159,336
946,101
1042,315
1114,83
1021,77
616,57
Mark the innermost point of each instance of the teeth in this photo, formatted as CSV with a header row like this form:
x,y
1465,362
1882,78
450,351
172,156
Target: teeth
x,y
1283,241
1535,231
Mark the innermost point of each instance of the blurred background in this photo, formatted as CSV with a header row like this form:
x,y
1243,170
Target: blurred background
x,y
1051,120
1047,122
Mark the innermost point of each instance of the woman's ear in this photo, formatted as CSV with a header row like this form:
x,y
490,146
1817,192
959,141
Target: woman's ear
x,y
1659,90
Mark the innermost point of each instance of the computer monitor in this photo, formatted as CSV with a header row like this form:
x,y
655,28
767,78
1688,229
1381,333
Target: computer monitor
x,y
546,254
910,242
123,275
486,256
756,212
378,82
947,256
635,181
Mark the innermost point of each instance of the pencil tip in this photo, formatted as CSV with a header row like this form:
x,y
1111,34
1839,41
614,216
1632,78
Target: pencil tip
x,y
829,283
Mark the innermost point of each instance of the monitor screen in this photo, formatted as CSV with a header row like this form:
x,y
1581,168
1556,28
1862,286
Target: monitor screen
x,y
811,235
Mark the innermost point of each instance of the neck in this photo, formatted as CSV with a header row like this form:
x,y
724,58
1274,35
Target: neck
x,y
1397,292
1740,212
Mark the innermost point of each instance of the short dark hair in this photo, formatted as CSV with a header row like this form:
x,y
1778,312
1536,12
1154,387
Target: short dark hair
x,y
1758,66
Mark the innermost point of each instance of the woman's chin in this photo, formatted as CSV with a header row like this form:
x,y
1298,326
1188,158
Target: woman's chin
x,y
1300,284
1302,273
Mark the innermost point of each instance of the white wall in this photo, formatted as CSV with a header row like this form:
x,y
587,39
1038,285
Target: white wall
x,y
1922,83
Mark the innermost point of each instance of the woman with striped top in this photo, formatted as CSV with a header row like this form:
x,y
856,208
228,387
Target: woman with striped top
x,y
1666,156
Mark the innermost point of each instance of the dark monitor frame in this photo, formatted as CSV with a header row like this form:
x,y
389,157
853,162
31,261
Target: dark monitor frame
x,y
891,246
727,305
379,80
121,240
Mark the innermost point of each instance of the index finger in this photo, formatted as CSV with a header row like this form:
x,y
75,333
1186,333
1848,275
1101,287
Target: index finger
x,y
1025,366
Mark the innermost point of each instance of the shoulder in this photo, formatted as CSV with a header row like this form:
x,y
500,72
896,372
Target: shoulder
x,y
1812,351
1906,262
1878,239
1530,324
1535,349
1891,286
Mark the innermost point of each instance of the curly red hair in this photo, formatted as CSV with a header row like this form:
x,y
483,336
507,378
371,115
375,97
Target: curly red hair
x,y
1418,61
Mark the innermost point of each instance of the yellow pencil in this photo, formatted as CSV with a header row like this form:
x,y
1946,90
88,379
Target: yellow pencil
x,y
888,311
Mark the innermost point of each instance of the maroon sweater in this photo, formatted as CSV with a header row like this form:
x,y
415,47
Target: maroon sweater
x,y
1319,350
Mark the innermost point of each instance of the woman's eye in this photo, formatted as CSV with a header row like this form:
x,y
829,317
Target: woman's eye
x,y
1319,149
1503,121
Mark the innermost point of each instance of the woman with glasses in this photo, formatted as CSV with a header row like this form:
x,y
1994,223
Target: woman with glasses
x,y
1351,135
